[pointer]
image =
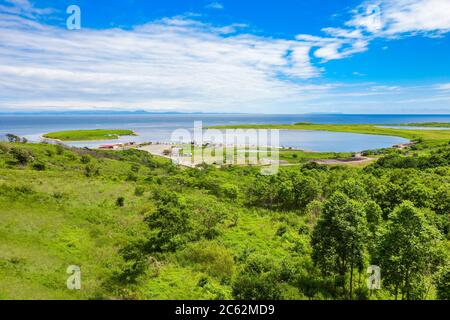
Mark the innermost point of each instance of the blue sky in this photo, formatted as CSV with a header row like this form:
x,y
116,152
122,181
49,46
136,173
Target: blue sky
x,y
285,56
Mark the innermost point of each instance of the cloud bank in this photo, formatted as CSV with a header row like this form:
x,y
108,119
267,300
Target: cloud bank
x,y
180,63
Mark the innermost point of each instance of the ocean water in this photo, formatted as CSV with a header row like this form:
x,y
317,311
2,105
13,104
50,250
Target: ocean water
x,y
159,127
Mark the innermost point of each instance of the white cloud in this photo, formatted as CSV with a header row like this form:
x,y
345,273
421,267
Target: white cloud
x,y
23,8
395,17
173,63
343,33
215,5
443,86
179,63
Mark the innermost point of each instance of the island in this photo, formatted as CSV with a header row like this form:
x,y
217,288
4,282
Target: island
x,y
89,135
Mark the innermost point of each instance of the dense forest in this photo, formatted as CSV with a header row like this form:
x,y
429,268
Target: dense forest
x,y
141,228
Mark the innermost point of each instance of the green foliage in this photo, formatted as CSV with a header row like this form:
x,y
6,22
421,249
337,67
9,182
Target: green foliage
x,y
139,191
374,216
85,158
258,280
4,148
91,170
217,233
288,190
120,201
405,251
442,281
86,135
339,238
230,191
170,224
39,166
22,156
209,257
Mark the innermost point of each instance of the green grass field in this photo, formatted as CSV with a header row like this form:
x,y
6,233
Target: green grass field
x,y
141,228
426,124
88,135
58,217
435,136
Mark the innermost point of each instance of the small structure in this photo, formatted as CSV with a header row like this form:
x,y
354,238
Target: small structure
x,y
111,146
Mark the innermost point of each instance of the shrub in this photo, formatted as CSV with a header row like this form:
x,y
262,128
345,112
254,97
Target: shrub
x,y
49,153
4,148
85,158
442,281
230,191
91,170
59,149
281,231
259,280
39,166
120,201
139,191
132,177
22,156
209,257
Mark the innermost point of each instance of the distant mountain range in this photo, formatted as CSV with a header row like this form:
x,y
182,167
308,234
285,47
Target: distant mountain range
x,y
103,112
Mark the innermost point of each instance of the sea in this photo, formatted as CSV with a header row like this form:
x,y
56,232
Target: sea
x,y
159,127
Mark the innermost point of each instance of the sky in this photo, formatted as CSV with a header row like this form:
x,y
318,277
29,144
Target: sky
x,y
246,56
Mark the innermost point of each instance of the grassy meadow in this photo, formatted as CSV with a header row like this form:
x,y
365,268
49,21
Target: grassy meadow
x,y
88,135
141,228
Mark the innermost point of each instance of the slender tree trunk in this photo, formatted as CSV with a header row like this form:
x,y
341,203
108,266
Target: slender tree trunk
x,y
351,281
359,278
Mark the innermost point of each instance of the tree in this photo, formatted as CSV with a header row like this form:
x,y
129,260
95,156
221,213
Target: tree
x,y
21,155
170,224
207,215
258,280
12,137
442,283
305,190
405,251
374,216
339,238
353,189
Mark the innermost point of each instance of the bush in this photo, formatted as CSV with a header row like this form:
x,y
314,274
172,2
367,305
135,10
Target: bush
x,y
135,168
85,158
39,166
139,191
59,149
132,177
442,282
91,170
281,231
230,191
22,156
120,201
259,280
209,257
4,148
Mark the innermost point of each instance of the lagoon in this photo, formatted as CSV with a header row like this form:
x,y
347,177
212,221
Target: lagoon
x,y
159,127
